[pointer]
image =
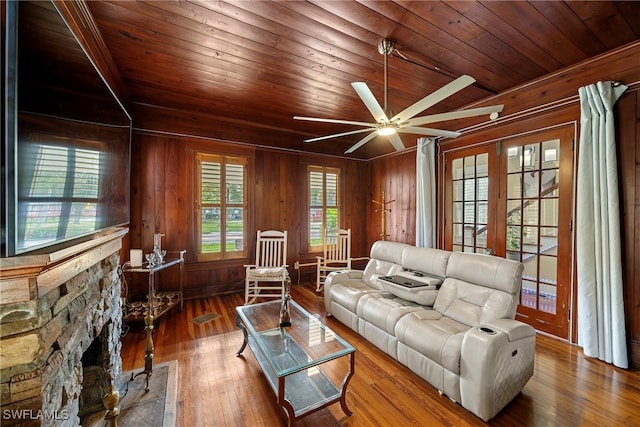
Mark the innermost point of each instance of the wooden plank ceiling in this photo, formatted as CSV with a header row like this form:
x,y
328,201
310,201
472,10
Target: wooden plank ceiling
x,y
240,70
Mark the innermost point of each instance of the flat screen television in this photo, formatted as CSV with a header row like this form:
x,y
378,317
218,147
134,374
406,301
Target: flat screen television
x,y
66,155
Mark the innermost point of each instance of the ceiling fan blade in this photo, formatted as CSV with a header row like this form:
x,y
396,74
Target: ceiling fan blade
x,y
432,99
429,131
472,112
370,101
337,135
396,142
340,122
362,142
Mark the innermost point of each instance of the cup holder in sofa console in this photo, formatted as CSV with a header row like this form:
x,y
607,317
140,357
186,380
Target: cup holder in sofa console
x,y
487,330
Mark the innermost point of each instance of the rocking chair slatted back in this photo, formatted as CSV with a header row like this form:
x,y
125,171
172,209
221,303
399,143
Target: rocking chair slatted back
x,y
338,247
271,249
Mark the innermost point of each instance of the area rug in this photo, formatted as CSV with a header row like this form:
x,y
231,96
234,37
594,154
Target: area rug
x,y
205,318
154,408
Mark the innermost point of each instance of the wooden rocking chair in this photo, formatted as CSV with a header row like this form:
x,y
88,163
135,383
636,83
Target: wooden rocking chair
x,y
266,278
336,255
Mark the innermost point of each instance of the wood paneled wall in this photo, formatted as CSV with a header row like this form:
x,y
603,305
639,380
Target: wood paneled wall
x,y
628,135
162,188
396,177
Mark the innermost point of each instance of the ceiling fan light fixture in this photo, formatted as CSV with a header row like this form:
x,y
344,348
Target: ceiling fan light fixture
x,y
386,130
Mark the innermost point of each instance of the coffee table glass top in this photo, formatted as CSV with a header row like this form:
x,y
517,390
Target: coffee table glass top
x,y
306,343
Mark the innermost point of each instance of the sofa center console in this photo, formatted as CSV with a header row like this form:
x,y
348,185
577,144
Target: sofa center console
x,y
412,280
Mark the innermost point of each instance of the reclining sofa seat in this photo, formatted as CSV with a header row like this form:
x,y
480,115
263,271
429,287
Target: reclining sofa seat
x,y
379,312
462,338
385,260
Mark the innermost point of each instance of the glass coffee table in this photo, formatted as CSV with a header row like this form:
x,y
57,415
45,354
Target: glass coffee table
x,y
292,357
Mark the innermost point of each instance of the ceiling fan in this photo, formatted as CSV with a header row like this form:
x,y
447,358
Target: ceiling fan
x,y
405,121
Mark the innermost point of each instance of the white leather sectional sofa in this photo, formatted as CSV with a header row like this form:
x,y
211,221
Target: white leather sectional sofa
x,y
454,327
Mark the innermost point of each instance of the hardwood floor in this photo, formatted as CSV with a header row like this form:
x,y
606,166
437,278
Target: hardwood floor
x,y
216,388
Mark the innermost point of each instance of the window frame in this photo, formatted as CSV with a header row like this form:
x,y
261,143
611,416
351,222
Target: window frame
x,y
225,252
324,170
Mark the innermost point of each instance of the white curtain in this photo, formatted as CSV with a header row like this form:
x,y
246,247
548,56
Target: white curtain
x,y
601,329
426,193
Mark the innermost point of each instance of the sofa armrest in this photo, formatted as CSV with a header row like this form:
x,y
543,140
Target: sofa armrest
x,y
514,329
342,276
339,277
496,361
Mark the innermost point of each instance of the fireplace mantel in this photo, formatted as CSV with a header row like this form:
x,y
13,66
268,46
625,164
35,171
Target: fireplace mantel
x,y
24,278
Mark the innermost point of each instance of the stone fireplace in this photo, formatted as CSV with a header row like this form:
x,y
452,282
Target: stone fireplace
x,y
58,312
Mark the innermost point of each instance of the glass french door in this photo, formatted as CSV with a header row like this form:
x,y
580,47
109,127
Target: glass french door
x,y
514,199
468,220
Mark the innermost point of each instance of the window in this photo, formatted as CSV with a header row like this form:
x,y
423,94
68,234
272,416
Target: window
x,y
221,206
324,204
